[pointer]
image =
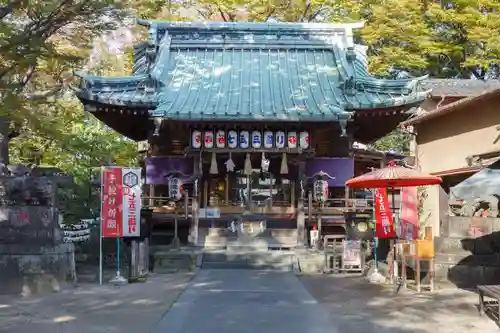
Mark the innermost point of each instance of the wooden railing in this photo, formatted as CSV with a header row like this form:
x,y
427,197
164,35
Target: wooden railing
x,y
338,206
330,207
168,206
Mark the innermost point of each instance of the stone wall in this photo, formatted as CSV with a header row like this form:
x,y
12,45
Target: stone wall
x,y
468,251
35,269
33,259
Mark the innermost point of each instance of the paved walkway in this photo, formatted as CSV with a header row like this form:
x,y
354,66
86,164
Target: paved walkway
x,y
246,301
133,308
357,306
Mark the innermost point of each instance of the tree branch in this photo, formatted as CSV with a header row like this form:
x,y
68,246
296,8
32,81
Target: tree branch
x,y
315,15
221,12
44,94
303,16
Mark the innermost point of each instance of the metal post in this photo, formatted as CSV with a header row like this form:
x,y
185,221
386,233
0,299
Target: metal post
x,y
375,277
101,226
176,231
375,240
118,273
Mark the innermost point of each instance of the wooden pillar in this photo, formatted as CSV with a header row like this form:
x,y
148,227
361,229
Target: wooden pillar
x,y
195,219
226,189
383,161
151,195
301,218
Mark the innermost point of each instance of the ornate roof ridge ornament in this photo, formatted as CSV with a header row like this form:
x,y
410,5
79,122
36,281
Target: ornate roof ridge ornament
x,y
251,26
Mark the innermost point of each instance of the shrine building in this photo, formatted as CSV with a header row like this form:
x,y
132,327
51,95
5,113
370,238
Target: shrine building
x,y
250,128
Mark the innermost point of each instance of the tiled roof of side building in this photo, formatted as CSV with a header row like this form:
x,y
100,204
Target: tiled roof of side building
x,y
459,87
448,108
251,71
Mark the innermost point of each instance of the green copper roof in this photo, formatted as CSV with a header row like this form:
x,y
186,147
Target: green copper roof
x,y
250,72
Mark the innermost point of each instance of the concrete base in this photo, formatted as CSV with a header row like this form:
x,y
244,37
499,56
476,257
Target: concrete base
x,y
118,280
28,270
376,277
173,261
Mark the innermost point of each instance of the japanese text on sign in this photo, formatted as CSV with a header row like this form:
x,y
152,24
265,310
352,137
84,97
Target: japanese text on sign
x,y
383,215
132,210
112,203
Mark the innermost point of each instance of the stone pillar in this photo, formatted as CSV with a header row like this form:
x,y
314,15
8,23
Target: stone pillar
x,y
301,216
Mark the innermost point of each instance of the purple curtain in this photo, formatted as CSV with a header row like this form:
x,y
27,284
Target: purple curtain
x,y
342,168
159,169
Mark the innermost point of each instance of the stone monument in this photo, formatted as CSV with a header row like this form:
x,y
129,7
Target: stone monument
x,y
33,257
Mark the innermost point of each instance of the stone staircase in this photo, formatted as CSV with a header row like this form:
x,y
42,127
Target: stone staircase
x,y
468,251
465,267
219,238
234,259
226,249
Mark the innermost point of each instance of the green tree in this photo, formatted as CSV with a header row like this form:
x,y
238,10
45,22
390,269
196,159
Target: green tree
x,y
40,43
398,141
76,142
439,38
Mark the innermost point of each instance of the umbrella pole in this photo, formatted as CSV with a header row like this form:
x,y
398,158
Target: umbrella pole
x,y
375,276
375,240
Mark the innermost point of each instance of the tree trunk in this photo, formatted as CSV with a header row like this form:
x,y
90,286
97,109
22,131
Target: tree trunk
x,y
4,140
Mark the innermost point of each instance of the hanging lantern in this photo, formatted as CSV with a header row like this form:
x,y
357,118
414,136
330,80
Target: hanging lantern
x,y
280,139
268,139
232,139
256,139
264,163
213,165
220,139
292,140
244,140
247,170
320,190
208,139
229,164
196,139
284,165
304,140
175,188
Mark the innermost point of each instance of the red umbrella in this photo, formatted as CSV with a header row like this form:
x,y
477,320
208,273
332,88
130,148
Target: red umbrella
x,y
393,176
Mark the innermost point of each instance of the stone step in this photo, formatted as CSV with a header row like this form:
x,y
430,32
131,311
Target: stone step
x,y
468,259
311,262
448,245
249,260
237,265
467,276
477,246
166,262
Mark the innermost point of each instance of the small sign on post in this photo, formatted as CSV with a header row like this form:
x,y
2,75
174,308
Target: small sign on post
x,y
352,253
120,208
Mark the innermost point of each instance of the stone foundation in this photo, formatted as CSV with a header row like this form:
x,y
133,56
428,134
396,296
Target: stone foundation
x,y
27,270
468,251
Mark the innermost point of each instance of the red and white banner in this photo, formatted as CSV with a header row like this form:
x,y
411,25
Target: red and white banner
x,y
384,224
112,196
409,214
121,205
131,202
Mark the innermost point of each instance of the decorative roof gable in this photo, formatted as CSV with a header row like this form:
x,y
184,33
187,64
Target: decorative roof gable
x,y
250,72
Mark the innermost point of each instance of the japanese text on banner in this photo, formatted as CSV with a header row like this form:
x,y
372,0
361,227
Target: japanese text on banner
x,y
384,225
111,214
409,213
131,202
